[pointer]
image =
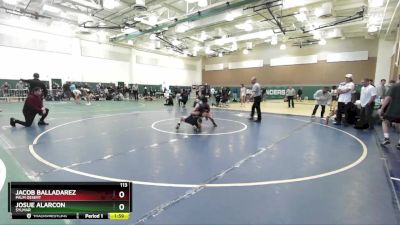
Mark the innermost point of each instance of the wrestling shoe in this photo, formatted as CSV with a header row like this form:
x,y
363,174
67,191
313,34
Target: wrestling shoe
x,y
385,142
42,123
12,122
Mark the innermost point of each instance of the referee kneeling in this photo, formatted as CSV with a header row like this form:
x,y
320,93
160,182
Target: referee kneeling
x,y
33,105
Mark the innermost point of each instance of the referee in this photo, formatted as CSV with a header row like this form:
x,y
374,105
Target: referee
x,y
256,94
35,82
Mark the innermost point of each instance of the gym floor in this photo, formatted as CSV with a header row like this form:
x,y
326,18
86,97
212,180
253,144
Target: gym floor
x,y
288,169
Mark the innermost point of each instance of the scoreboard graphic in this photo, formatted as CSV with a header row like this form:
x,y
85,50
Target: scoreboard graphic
x,y
67,200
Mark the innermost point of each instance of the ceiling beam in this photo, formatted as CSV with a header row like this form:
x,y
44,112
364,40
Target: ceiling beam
x,y
391,20
87,4
212,10
173,8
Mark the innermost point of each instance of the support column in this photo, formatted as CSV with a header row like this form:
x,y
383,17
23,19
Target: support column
x,y
383,61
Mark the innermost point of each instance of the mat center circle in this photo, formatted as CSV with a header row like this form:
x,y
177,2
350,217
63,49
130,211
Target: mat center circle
x,y
225,126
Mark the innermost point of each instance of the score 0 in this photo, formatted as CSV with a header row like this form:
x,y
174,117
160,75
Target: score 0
x,y
122,194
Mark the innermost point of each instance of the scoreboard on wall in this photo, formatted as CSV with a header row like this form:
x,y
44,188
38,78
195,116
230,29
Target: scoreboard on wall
x,y
66,200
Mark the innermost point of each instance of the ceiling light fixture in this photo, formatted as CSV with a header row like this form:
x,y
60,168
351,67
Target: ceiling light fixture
x,y
10,2
248,27
375,3
301,16
102,35
374,19
373,29
208,51
322,42
274,40
229,17
316,34
129,30
220,55
197,48
153,36
130,42
153,20
202,3
182,28
157,44
282,47
50,8
234,46
245,51
249,45
176,42
203,36
110,4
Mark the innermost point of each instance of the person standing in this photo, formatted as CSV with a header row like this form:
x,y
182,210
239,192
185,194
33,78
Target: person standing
x,y
135,91
5,87
35,82
333,104
322,97
290,93
33,105
299,94
382,89
344,91
367,100
390,112
256,95
242,95
20,90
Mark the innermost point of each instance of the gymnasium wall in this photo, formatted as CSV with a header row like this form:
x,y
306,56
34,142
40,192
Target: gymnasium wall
x,y
313,65
59,54
150,68
24,52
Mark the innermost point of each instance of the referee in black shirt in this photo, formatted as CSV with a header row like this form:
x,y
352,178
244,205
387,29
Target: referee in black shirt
x,y
35,82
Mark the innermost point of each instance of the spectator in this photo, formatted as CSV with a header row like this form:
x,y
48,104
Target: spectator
x,y
5,88
299,94
382,89
135,88
333,104
367,100
20,90
345,91
242,95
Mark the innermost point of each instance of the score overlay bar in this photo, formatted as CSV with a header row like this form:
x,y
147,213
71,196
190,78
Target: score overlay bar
x,y
69,200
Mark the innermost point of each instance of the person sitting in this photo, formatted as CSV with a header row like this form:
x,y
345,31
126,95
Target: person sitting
x,y
169,100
